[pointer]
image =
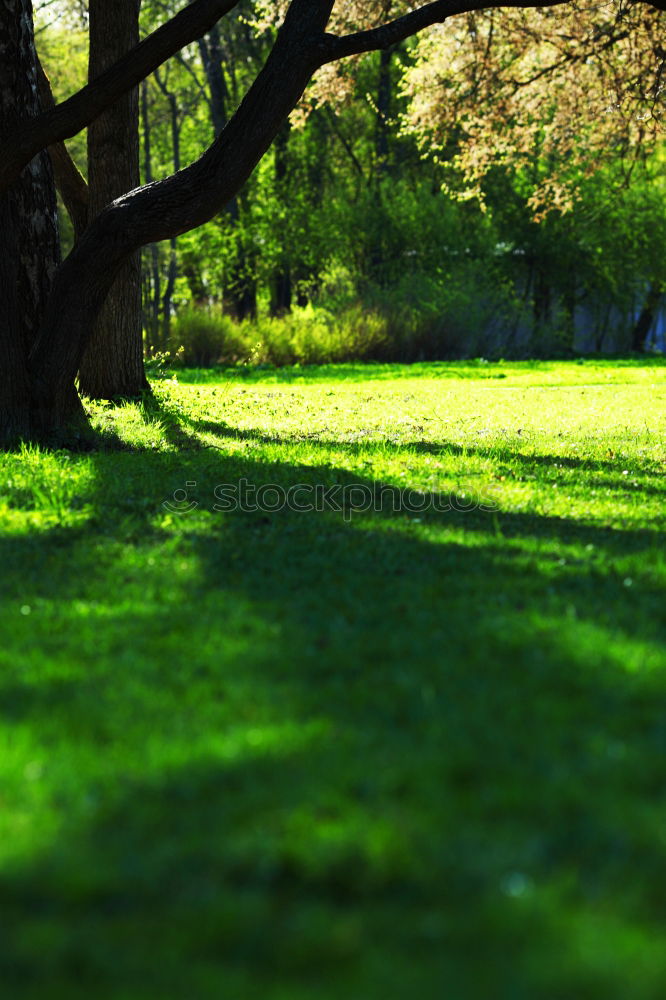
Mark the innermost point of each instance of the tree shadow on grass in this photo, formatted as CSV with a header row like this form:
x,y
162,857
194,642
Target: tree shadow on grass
x,y
502,455
332,757
379,371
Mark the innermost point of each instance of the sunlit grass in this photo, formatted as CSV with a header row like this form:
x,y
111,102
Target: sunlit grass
x,y
357,753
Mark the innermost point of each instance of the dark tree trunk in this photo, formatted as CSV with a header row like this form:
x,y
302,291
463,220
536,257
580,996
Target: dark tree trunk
x,y
281,284
112,366
169,290
152,284
281,290
29,245
240,291
646,317
384,105
210,50
175,120
382,133
173,243
541,301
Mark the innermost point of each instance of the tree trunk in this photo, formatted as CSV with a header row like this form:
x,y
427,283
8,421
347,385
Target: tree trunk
x,y
646,317
383,109
112,365
281,290
384,105
29,244
169,289
173,255
240,291
281,284
541,300
172,274
152,284
210,50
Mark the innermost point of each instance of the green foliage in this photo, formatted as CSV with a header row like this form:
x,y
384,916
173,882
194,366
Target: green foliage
x,y
417,320
303,755
602,255
203,337
351,215
459,317
318,338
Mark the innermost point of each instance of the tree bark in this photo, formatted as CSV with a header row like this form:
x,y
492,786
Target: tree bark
x,y
153,281
112,366
29,243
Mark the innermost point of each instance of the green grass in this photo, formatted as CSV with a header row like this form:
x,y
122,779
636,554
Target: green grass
x,y
371,755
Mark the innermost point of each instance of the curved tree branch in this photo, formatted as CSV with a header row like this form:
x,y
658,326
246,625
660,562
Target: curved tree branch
x,y
30,136
175,205
392,32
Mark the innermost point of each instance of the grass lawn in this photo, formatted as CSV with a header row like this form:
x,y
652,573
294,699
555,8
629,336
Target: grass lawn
x,y
417,751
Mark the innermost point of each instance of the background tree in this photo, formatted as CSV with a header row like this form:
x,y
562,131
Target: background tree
x,y
112,364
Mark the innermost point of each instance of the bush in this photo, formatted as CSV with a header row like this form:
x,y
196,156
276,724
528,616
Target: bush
x,y
205,337
318,337
418,319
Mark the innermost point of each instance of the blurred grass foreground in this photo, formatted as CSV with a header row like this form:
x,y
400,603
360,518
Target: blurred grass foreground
x,y
401,750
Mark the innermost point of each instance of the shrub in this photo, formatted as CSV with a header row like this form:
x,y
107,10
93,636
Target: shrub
x,y
204,337
318,337
420,318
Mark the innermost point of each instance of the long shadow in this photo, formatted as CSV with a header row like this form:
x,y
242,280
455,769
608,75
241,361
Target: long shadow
x,y
502,455
377,371
136,484
388,763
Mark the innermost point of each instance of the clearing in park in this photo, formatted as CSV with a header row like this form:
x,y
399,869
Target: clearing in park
x,y
415,751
